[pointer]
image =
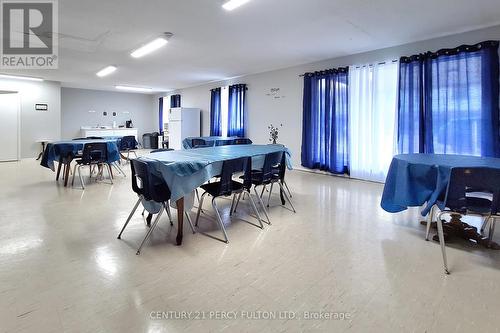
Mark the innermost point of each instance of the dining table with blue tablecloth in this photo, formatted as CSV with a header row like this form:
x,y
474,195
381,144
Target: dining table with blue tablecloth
x,y
209,140
186,170
50,154
417,179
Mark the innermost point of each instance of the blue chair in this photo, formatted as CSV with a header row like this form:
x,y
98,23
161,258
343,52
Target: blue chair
x,y
149,188
459,199
95,154
242,141
227,186
128,144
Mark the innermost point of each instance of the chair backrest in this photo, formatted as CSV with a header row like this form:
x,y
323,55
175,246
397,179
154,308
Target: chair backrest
x,y
76,139
282,167
229,168
223,142
242,141
477,179
198,142
128,142
94,138
64,150
271,161
160,150
95,152
144,183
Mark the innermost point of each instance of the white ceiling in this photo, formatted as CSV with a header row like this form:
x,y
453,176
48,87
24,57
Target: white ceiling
x,y
212,44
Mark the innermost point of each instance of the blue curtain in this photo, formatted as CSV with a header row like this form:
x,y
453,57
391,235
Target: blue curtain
x,y
411,106
454,93
160,114
325,121
236,111
175,101
215,112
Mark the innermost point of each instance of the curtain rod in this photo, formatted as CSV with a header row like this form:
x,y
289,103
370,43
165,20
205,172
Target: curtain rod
x,y
380,63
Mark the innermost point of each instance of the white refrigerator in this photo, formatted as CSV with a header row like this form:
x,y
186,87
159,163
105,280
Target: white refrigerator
x,y
182,123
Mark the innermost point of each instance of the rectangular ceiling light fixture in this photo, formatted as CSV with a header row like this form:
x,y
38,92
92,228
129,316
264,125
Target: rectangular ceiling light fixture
x,y
149,47
16,77
106,71
136,89
233,4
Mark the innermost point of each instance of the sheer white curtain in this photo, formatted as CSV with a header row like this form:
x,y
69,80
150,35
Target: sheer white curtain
x,y
373,92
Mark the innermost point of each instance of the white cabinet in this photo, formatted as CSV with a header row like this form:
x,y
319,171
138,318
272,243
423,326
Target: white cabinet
x,y
103,132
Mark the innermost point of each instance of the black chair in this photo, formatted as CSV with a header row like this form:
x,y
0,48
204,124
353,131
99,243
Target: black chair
x,y
199,143
242,141
459,200
66,156
227,187
128,144
94,138
278,173
149,188
268,175
223,142
79,139
95,154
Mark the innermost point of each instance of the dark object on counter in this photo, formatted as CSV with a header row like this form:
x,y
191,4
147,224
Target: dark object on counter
x,y
150,140
129,124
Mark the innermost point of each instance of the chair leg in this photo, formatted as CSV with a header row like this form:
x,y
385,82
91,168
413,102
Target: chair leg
x,y
80,176
110,173
188,217
153,226
135,155
219,219
263,189
286,185
269,196
237,201
167,208
232,205
441,242
256,210
58,170
262,205
492,228
200,204
129,217
286,196
74,174
117,166
429,222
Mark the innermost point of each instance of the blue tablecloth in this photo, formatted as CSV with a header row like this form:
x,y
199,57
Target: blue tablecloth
x,y
414,179
49,156
186,170
210,140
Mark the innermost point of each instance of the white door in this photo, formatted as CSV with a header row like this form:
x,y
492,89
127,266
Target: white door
x,y
9,126
175,135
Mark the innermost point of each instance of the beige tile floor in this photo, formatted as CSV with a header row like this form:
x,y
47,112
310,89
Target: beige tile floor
x,y
63,270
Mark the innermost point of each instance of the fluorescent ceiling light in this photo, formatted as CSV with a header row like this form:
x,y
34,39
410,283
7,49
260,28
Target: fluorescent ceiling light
x,y
149,47
137,89
232,4
106,71
6,76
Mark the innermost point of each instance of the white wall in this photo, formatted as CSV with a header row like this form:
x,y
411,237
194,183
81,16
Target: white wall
x,y
36,125
264,110
76,104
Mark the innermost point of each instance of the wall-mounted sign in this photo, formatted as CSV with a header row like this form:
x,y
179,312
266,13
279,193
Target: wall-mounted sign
x,y
41,107
275,93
